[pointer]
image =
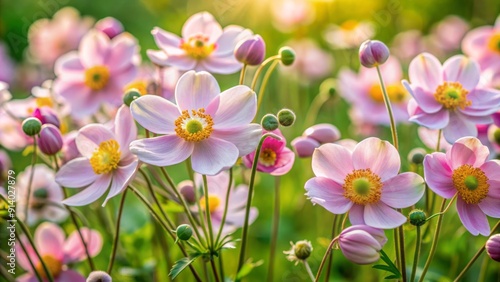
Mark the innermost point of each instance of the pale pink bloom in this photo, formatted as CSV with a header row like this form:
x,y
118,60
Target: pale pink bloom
x,y
7,69
150,77
106,161
12,136
212,128
97,73
57,252
464,170
349,144
408,44
323,133
49,39
46,196
430,138
448,33
4,93
363,91
349,34
110,26
275,158
204,46
448,96
361,244
364,182
361,127
289,15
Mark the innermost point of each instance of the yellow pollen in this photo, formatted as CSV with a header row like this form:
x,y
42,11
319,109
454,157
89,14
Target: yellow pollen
x,y
494,42
213,202
195,127
44,102
198,47
452,95
140,85
267,157
349,25
362,187
105,158
54,266
396,93
96,78
471,183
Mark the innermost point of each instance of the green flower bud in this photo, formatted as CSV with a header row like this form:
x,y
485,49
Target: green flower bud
x,y
416,156
130,96
287,55
299,251
286,117
184,232
269,122
417,217
32,126
328,86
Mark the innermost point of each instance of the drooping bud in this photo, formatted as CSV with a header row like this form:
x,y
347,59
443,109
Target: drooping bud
x,y
304,146
184,232
287,55
50,141
361,243
373,53
269,122
416,156
417,217
286,117
186,188
493,247
31,126
323,133
300,251
110,26
251,51
99,276
130,96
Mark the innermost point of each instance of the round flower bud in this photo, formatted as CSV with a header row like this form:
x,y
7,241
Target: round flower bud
x,y
299,251
417,217
328,86
110,26
186,189
493,247
373,53
251,51
50,141
416,156
361,244
184,232
287,55
46,115
269,122
99,276
286,117
304,146
130,96
31,126
323,133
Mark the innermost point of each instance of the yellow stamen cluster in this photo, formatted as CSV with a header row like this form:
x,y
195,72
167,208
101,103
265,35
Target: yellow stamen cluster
x,y
195,127
362,187
44,102
106,157
452,95
140,85
494,42
267,157
96,78
396,93
213,202
471,183
349,25
54,266
198,47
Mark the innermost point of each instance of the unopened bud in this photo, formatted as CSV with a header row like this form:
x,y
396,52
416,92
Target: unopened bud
x,y
110,26
99,276
287,55
186,188
416,156
269,122
323,133
286,117
373,53
31,126
251,51
417,217
50,141
493,247
304,146
130,96
184,232
300,251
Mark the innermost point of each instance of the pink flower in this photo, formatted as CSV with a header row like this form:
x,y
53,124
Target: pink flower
x,y
349,34
97,73
363,91
4,92
289,15
204,46
465,171
275,158
448,33
213,128
7,69
448,97
12,136
57,252
149,79
408,44
364,182
361,244
106,160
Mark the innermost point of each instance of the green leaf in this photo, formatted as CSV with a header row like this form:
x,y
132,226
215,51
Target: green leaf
x,y
247,268
383,267
181,264
389,267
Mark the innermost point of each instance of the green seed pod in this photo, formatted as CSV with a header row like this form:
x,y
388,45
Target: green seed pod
x,y
417,217
32,126
269,122
286,117
130,96
287,55
184,232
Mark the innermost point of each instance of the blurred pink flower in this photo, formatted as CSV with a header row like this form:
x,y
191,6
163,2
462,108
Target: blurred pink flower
x,y
363,91
361,244
149,79
106,160
204,46
464,170
212,128
365,182
275,158
448,96
57,252
408,44
97,73
5,95
448,33
12,136
110,26
7,69
349,34
430,138
289,15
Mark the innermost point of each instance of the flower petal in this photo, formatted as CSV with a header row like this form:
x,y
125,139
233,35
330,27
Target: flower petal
x,y
162,151
424,99
195,90
226,64
377,155
426,71
202,24
70,67
245,137
74,251
467,150
403,190
437,120
125,129
94,47
91,193
69,275
438,174
459,127
473,218
230,37
328,194
492,169
325,162
90,137
49,238
490,206
155,113
237,107
121,178
285,162
167,41
357,214
124,47
380,215
484,102
463,70
212,155
76,173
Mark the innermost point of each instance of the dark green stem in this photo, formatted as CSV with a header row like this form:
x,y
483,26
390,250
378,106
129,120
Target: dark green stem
x,y
275,230
418,244
117,232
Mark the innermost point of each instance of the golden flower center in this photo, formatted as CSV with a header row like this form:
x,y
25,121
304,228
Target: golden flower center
x,y
44,102
362,187
452,95
194,127
213,202
198,46
267,157
471,183
106,157
396,93
140,85
494,42
96,78
54,266
349,25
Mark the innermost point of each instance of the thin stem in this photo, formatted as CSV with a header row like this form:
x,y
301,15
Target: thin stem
x,y
29,259
242,74
117,232
315,106
330,259
402,252
263,85
214,270
418,245
260,68
396,248
275,230
226,204
322,264
221,267
444,211
197,197
207,213
30,183
438,145
308,269
484,268
389,110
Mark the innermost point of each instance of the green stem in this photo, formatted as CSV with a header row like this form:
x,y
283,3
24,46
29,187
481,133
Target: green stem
x,y
322,264
226,204
242,74
263,85
330,259
221,267
260,68
315,106
308,269
214,270
402,251
117,232
389,110
275,230
29,259
207,213
418,245
396,248
30,183
484,268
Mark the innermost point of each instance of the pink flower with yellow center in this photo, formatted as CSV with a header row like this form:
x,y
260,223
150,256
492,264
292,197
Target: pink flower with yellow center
x,y
212,128
364,182
106,161
57,252
97,73
448,96
464,170
204,46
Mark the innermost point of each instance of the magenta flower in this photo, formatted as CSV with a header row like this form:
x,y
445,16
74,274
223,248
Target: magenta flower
x,y
204,46
97,73
364,182
361,244
106,160
213,128
275,158
465,171
57,252
448,97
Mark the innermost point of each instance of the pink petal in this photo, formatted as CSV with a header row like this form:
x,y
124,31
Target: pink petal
x,y
70,276
473,218
492,169
91,193
76,173
181,61
22,257
121,178
73,248
155,113
459,127
202,24
463,70
48,239
158,57
377,155
125,129
284,163
438,174
245,137
94,47
328,194
90,137
490,206
403,190
467,150
70,67
220,64
426,71
484,102
124,47
437,120
212,155
196,90
237,107
476,40
163,150
379,215
357,214
27,277
325,162
167,41
424,99
230,37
